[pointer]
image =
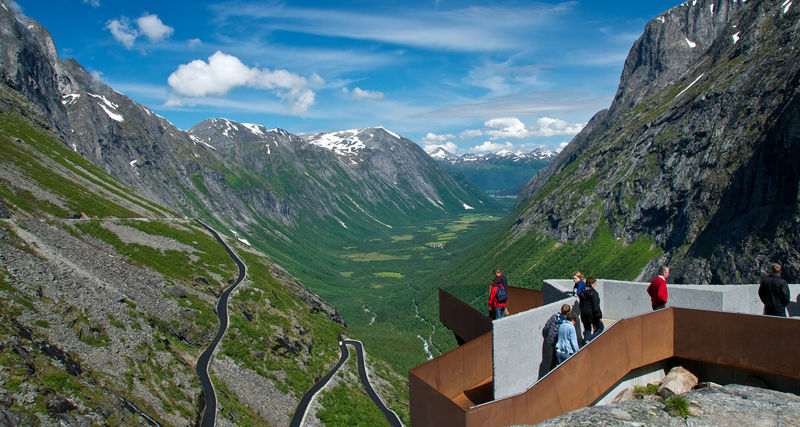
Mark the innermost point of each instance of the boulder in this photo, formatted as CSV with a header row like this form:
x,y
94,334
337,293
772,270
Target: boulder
x,y
60,404
678,381
624,396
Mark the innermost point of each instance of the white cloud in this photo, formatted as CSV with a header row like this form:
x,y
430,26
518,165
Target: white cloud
x,y
432,138
122,31
489,146
512,127
93,3
195,42
470,133
149,25
562,146
469,29
359,93
152,27
547,126
224,72
506,127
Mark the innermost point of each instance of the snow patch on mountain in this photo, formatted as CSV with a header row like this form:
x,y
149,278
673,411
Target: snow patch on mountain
x,y
70,99
254,128
199,141
343,143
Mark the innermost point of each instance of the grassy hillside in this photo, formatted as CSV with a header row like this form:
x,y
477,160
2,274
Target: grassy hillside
x,y
534,257
107,295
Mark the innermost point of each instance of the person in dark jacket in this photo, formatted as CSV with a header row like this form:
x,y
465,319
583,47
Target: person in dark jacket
x,y
591,315
774,292
550,331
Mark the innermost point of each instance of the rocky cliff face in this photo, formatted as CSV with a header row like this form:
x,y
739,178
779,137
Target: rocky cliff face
x,y
702,162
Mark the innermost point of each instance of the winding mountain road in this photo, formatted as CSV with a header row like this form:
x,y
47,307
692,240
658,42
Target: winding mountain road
x,y
210,413
302,407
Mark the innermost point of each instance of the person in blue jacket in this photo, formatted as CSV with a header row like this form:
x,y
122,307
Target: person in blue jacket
x,y
567,343
577,278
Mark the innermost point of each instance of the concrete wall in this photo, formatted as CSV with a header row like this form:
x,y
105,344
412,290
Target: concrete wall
x,y
520,357
518,353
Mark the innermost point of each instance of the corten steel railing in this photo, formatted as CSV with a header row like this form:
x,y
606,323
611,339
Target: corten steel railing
x,y
468,323
717,338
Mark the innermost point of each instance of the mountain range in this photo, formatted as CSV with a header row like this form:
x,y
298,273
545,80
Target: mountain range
x,y
108,284
502,173
693,165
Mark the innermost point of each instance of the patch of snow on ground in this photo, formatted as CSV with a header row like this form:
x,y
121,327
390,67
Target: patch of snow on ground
x,y
690,43
712,9
114,116
133,162
690,85
467,207
74,147
243,240
735,38
785,6
72,98
661,19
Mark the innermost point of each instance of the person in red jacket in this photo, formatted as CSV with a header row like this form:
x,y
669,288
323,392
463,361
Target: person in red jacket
x,y
497,308
658,288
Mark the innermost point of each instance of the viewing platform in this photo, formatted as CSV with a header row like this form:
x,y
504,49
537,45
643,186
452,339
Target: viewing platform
x,y
499,373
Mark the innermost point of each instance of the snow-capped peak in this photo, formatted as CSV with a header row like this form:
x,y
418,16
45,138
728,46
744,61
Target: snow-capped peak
x,y
347,142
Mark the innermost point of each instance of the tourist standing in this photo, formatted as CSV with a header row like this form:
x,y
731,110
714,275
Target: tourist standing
x,y
658,288
498,295
774,292
550,332
577,279
591,314
567,343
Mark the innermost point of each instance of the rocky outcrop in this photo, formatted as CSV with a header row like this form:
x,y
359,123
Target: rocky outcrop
x,y
670,45
700,161
717,405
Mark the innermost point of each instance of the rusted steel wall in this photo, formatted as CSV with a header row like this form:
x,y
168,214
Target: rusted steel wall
x,y
458,316
459,369
723,339
764,344
521,299
586,376
429,407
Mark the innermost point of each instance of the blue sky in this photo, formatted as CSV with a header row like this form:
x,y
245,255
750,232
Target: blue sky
x,y
472,76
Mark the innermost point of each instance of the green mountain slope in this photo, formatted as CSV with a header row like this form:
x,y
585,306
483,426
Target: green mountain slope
x,y
105,295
